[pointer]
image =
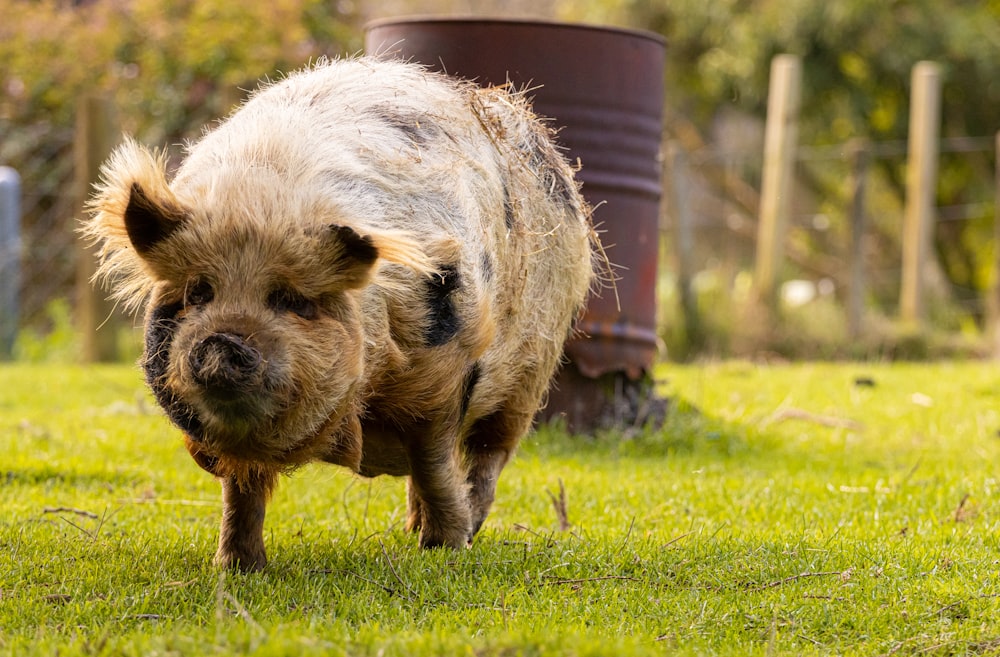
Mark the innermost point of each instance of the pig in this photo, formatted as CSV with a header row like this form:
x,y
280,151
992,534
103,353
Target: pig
x,y
367,264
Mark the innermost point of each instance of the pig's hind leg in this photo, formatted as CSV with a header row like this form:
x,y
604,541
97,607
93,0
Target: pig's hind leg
x,y
489,445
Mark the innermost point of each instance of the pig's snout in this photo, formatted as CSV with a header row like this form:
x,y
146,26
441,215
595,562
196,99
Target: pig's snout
x,y
225,363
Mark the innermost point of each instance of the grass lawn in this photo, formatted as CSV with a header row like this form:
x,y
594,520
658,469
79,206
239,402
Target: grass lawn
x,y
846,509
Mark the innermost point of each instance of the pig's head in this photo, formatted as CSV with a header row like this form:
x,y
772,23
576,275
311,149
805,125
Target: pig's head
x,y
255,345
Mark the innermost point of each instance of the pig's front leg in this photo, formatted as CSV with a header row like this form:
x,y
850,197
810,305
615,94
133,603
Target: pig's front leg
x,y
241,539
437,493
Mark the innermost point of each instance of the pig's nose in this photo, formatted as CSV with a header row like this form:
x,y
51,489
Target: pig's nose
x,y
224,362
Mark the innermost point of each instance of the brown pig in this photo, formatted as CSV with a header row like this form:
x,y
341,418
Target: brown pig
x,y
367,264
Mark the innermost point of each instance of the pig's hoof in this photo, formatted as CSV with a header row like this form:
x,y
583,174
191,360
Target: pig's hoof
x,y
246,563
455,540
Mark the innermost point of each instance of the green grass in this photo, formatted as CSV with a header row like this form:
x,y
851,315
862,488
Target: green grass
x,y
782,510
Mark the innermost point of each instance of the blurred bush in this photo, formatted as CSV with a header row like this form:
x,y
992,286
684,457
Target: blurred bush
x,y
170,67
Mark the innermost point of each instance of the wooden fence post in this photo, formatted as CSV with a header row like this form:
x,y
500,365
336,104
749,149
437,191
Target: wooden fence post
x,y
921,187
97,133
858,151
993,300
780,141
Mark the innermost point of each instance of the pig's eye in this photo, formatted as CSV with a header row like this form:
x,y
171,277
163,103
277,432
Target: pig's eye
x,y
198,293
284,300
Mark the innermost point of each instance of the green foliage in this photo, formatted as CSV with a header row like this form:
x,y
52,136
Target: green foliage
x,y
857,56
802,510
57,340
172,66
56,343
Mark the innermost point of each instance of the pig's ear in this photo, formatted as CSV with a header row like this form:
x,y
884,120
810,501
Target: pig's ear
x,y
132,210
352,256
348,256
149,221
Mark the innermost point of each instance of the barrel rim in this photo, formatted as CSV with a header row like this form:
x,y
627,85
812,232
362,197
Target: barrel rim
x,y
432,19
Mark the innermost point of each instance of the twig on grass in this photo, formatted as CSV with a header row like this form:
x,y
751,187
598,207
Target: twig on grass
x,y
392,569
241,611
549,540
988,646
676,539
959,603
147,617
628,534
985,646
945,608
387,589
584,580
57,598
69,509
144,500
896,648
561,507
795,578
913,470
92,535
234,606
963,513
822,420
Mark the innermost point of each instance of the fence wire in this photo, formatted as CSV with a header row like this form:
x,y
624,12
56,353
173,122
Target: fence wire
x,y
43,156
722,197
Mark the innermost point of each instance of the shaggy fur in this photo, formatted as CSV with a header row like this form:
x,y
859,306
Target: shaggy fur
x,y
366,264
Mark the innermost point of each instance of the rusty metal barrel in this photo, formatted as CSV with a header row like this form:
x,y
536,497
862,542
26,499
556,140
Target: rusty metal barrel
x,y
603,89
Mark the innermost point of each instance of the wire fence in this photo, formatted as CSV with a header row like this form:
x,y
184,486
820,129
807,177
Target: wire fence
x,y
43,156
722,196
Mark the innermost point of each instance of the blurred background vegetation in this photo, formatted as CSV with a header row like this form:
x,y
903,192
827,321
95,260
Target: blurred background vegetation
x,y
173,66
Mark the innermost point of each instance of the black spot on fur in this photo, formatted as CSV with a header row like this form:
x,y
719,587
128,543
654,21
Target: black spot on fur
x,y
546,161
443,321
508,208
160,332
486,262
561,186
418,128
471,379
